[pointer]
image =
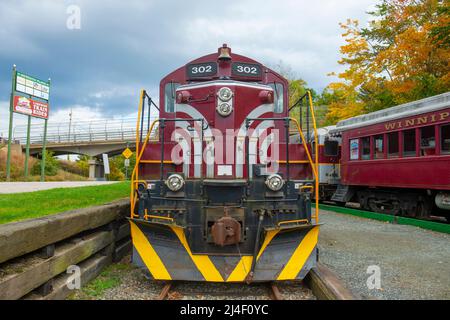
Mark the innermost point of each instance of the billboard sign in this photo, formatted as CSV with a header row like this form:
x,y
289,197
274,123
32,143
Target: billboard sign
x,y
30,107
32,86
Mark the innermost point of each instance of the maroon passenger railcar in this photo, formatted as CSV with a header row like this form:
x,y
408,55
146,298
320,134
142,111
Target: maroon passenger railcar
x,y
397,160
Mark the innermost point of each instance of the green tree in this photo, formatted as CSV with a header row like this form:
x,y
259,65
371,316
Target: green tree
x,y
83,164
51,165
401,56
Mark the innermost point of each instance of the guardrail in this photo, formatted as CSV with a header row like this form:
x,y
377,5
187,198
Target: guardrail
x,y
35,254
80,131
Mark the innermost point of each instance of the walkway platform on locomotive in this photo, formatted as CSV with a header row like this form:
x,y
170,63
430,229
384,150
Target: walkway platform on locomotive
x,y
412,262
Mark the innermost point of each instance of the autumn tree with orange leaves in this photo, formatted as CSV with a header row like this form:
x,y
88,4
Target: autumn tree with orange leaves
x,y
401,56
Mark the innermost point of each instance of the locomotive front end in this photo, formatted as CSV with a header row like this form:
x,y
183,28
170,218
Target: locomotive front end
x,y
221,194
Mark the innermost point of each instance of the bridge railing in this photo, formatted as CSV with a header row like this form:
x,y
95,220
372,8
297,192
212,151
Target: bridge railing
x,y
81,131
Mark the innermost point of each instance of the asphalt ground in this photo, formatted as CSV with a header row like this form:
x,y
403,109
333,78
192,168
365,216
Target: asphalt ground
x,y
18,187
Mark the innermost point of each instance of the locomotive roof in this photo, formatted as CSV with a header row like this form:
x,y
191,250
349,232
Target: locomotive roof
x,y
223,82
401,111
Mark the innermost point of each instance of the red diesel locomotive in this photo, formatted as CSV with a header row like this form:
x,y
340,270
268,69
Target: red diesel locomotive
x,y
396,160
218,192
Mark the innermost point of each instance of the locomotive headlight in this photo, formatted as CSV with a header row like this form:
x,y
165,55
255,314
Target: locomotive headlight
x,y
175,182
274,182
225,94
224,109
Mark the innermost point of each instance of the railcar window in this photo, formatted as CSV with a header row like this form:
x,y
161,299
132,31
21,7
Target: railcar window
x,y
427,141
445,139
169,96
365,154
393,144
378,147
409,143
278,100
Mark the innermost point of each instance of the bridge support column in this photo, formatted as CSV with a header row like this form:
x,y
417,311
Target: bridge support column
x,y
96,171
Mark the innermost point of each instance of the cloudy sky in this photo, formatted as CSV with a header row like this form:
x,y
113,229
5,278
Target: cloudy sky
x,y
123,46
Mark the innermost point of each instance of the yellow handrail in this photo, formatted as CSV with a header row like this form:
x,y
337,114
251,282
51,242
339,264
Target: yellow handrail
x,y
292,221
316,147
313,167
158,217
136,170
137,122
315,164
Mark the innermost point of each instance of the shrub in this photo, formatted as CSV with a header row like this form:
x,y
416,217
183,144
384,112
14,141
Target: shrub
x,y
73,167
51,165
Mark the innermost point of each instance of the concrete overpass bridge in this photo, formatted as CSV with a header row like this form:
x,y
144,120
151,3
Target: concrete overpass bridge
x,y
92,138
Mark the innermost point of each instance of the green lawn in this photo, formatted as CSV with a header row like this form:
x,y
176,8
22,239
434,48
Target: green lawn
x,y
20,206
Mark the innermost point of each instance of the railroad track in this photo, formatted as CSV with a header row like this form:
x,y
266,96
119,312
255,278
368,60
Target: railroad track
x,y
171,291
321,283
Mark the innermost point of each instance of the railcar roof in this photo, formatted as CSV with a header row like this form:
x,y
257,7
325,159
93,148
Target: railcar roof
x,y
429,104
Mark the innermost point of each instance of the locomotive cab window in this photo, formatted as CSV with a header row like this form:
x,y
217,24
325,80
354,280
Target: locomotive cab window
x,y
427,141
365,151
169,96
409,143
445,139
378,147
392,144
278,100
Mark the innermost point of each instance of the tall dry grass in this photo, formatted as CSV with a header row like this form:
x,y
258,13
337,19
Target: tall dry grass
x,y
18,166
17,163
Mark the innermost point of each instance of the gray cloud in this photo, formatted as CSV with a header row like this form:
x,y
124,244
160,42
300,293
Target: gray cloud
x,y
124,46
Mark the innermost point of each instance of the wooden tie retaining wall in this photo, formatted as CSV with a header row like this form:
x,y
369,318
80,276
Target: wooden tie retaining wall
x,y
35,254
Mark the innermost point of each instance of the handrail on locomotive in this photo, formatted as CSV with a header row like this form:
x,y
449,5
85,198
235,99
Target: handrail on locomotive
x,y
150,126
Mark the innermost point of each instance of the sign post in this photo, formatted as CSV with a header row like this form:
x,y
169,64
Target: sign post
x,y
44,142
11,102
127,153
29,96
27,153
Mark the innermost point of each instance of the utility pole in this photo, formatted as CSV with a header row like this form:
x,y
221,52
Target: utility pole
x,y
70,125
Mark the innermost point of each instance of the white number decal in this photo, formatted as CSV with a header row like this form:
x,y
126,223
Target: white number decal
x,y
201,69
246,69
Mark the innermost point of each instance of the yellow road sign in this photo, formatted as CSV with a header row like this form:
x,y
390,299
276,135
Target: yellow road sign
x,y
127,153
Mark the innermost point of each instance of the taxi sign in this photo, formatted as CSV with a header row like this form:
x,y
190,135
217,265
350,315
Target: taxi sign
x,y
127,153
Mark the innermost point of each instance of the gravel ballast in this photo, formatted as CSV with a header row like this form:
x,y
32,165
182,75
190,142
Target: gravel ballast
x,y
131,284
414,263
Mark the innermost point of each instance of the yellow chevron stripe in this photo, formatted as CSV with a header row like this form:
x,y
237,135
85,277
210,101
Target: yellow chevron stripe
x,y
202,262
269,236
148,254
242,269
300,255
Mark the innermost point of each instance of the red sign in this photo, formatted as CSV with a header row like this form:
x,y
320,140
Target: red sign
x,y
30,107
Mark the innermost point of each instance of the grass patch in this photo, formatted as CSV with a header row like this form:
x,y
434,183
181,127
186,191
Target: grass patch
x,y
20,206
424,224
108,279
